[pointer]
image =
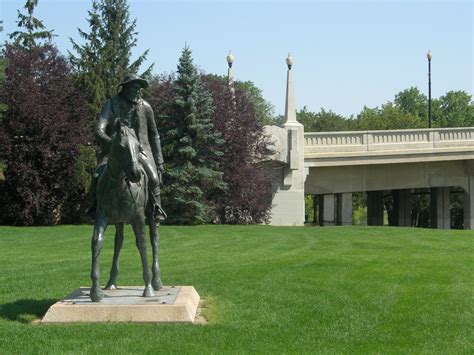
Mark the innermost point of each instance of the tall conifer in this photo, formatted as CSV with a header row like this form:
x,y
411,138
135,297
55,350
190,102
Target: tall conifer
x,y
192,148
105,58
34,29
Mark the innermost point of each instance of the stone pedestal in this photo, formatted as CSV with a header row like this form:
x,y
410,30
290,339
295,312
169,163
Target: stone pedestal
x,y
375,208
170,305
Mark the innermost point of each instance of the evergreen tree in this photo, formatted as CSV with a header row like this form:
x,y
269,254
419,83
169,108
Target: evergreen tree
x,y
105,58
34,28
192,148
88,63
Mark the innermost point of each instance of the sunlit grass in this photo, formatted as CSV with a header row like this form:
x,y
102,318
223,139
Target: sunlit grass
x,y
267,289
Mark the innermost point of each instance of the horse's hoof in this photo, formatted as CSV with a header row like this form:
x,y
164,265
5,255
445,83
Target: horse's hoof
x,y
96,294
148,292
157,284
111,286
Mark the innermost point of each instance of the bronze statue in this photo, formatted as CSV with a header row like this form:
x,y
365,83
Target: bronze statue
x,y
127,181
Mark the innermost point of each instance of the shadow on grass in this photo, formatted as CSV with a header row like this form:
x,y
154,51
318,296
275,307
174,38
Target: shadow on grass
x,y
25,311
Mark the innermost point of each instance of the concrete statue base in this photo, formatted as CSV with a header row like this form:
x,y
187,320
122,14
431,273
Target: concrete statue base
x,y
176,304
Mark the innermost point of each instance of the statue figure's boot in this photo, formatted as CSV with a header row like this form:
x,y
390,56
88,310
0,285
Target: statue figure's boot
x,y
159,214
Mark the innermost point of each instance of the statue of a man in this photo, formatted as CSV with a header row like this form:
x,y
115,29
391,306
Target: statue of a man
x,y
136,113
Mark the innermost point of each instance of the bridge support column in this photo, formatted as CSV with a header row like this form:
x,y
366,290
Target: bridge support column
x,y
344,209
440,212
327,210
469,203
375,208
402,207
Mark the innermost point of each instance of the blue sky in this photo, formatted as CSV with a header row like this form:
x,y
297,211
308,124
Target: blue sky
x,y
347,54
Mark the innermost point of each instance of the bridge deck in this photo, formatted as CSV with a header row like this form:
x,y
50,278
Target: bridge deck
x,y
382,147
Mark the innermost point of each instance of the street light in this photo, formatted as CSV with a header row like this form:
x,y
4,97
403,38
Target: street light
x,y
230,59
289,61
428,55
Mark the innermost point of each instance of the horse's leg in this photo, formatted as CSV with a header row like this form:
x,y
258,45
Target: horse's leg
x,y
112,284
100,225
139,229
155,244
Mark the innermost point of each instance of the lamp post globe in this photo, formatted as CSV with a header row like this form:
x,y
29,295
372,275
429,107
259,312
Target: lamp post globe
x,y
230,59
289,61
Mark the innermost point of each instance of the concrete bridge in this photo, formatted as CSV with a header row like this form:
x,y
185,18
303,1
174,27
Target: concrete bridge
x,y
336,164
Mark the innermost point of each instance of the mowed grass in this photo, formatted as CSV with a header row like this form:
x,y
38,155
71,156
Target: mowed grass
x,y
267,289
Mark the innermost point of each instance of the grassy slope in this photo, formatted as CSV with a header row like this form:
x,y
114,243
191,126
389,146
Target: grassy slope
x,y
268,289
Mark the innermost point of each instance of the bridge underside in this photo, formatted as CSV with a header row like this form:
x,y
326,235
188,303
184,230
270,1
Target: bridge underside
x,y
354,178
336,183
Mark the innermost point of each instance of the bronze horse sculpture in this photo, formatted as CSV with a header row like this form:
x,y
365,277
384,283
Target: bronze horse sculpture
x,y
122,197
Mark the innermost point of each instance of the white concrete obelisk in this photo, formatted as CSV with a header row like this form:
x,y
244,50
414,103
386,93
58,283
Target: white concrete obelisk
x,y
288,202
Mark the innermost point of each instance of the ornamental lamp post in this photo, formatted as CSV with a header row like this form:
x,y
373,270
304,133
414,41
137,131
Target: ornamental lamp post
x,y
230,75
290,112
429,56
230,59
289,61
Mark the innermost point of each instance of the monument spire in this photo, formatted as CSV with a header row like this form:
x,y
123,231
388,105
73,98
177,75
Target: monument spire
x,y
290,112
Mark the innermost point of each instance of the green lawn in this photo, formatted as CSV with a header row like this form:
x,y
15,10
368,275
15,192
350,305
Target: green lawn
x,y
267,289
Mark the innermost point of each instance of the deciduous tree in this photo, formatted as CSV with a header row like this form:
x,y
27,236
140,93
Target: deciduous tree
x,y
42,130
248,196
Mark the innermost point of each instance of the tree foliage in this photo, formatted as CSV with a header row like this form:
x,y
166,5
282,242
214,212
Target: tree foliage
x,y
264,110
412,102
389,116
41,132
191,148
102,61
454,109
34,31
322,121
248,196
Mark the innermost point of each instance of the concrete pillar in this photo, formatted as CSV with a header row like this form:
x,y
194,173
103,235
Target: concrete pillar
x,y
326,210
375,208
344,209
440,211
402,207
469,204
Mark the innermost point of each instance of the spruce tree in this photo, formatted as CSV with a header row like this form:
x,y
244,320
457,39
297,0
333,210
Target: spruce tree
x,y
34,29
88,63
105,58
191,147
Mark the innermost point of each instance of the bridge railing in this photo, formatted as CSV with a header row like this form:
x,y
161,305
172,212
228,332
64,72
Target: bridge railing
x,y
404,139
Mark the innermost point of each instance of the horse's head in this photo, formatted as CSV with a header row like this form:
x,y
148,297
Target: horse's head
x,y
125,149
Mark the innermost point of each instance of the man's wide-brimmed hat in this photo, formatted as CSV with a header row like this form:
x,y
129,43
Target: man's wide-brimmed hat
x,y
133,77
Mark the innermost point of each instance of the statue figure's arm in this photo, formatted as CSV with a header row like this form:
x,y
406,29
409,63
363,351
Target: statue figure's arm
x,y
154,139
101,127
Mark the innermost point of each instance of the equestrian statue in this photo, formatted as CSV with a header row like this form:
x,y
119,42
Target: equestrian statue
x,y
126,183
